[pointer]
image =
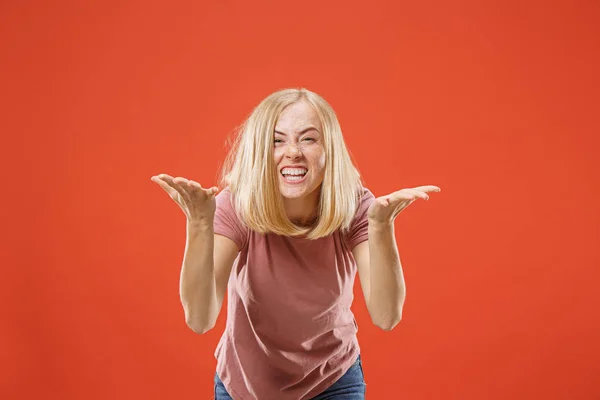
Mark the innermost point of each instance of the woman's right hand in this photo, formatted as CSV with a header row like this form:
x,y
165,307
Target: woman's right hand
x,y
197,203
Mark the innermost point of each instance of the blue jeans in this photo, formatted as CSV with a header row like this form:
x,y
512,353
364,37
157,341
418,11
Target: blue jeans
x,y
351,386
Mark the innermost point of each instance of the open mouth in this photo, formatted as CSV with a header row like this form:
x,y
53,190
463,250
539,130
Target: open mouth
x,y
294,175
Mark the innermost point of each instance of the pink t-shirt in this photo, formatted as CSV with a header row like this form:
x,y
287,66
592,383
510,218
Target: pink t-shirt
x,y
290,333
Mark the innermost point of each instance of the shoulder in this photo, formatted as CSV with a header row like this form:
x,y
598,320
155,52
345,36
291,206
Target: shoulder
x,y
224,199
225,193
226,220
358,231
226,204
366,194
366,198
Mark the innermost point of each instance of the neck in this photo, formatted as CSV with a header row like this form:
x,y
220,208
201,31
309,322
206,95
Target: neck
x,y
303,211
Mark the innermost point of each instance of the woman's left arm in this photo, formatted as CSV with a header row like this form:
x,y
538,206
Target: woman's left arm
x,y
378,261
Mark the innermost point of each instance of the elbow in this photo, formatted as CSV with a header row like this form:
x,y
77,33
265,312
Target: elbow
x,y
199,325
199,320
199,328
386,319
388,324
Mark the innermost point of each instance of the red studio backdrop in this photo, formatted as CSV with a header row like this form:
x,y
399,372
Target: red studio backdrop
x,y
496,102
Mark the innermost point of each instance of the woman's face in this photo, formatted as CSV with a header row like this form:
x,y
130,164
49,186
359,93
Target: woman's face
x,y
298,151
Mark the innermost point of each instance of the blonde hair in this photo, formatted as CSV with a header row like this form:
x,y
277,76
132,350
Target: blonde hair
x,y
251,174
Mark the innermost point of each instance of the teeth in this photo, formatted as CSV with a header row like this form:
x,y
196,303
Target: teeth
x,y
294,171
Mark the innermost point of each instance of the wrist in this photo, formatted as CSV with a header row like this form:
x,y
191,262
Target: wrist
x,y
201,224
380,226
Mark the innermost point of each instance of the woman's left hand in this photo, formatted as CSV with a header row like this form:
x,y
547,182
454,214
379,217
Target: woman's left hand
x,y
386,208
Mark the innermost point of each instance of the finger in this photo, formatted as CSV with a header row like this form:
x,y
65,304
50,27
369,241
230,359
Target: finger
x,y
171,191
180,180
384,201
427,188
195,187
400,195
173,182
194,184
418,194
185,189
401,207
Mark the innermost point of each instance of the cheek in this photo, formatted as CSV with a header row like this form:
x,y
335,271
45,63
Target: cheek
x,y
277,154
322,161
318,160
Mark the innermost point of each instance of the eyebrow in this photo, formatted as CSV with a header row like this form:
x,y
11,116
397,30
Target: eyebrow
x,y
310,128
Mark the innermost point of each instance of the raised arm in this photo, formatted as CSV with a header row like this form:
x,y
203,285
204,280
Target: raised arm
x,y
208,258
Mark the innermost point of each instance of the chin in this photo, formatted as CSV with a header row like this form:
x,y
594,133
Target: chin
x,y
293,193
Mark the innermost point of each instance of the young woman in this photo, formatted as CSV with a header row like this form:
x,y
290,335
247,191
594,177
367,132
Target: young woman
x,y
286,235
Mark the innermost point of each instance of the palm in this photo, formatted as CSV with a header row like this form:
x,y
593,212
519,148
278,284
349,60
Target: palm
x,y
386,208
196,202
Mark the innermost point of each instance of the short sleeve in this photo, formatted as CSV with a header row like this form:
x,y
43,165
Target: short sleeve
x,y
359,228
226,222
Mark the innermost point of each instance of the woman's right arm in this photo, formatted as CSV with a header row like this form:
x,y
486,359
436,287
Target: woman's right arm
x,y
208,258
207,264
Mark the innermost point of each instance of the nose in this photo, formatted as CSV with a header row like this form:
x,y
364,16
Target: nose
x,y
292,151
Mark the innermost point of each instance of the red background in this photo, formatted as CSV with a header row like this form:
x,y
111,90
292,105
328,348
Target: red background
x,y
496,102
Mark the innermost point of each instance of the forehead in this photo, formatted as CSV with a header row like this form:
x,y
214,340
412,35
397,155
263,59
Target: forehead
x,y
298,116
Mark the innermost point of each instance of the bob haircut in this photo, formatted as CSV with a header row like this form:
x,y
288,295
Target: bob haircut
x,y
250,172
